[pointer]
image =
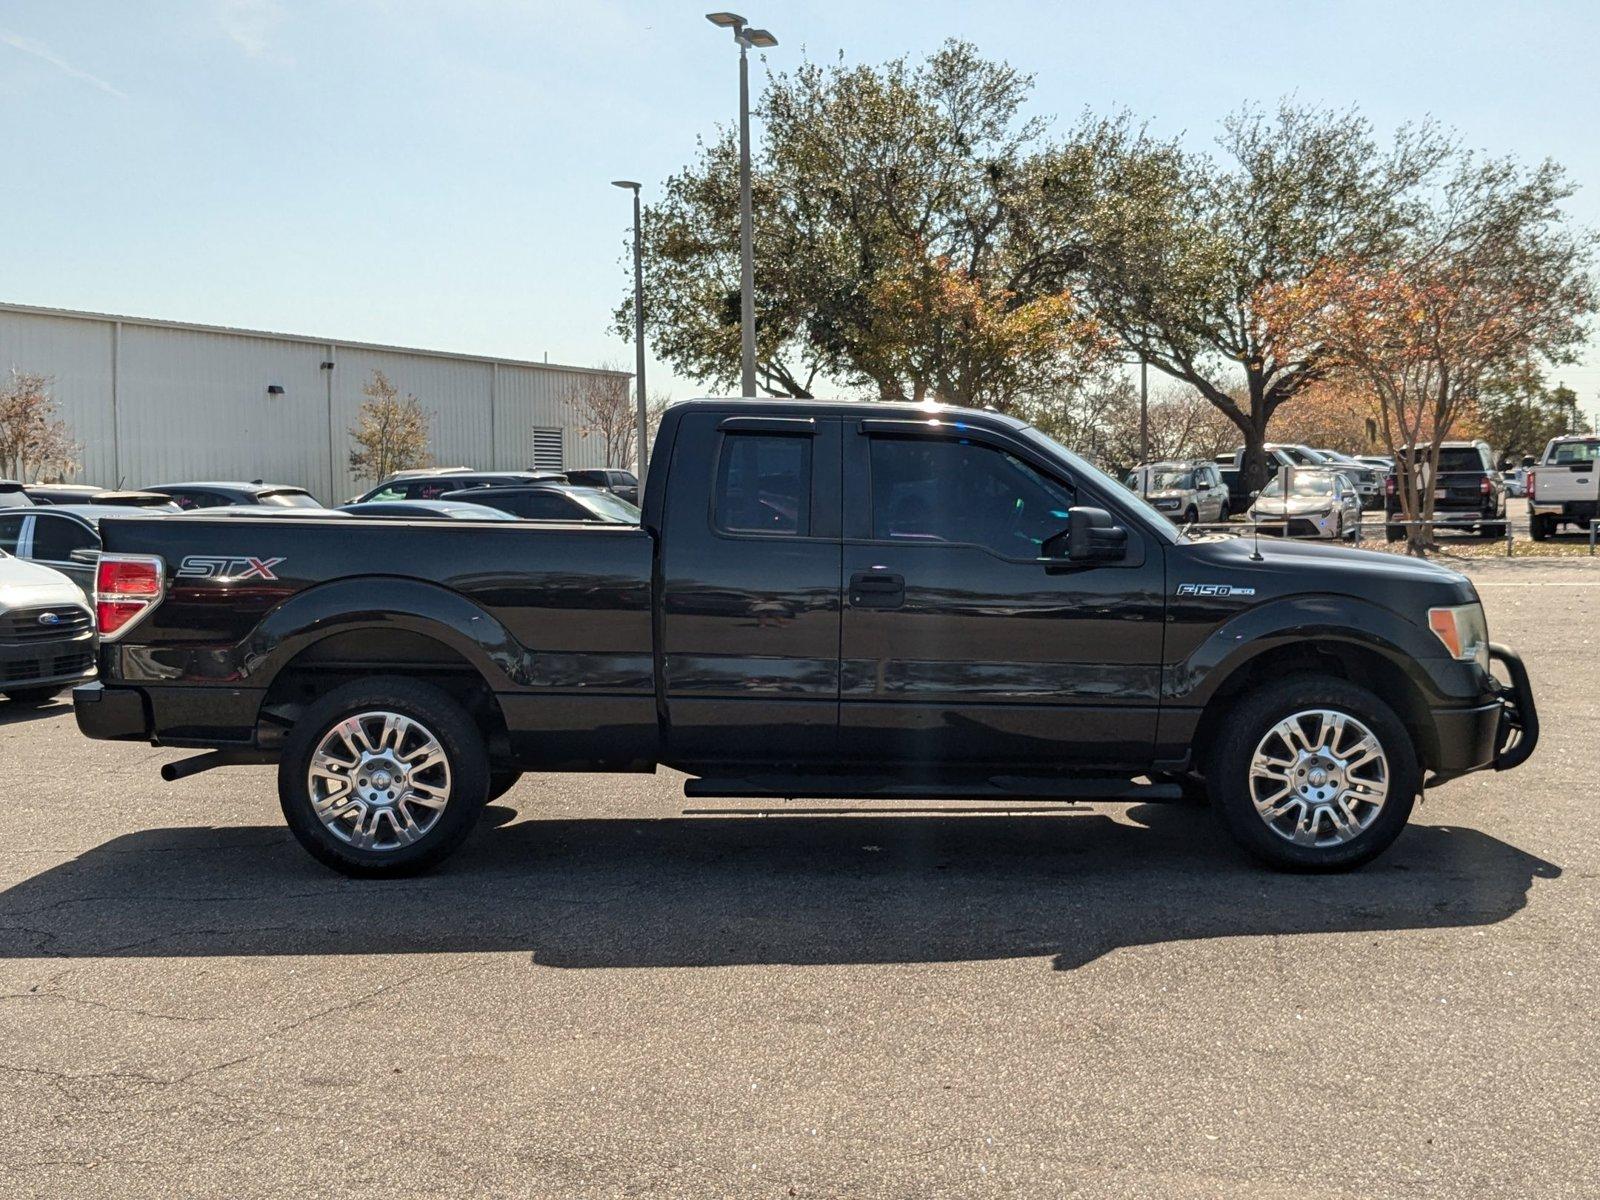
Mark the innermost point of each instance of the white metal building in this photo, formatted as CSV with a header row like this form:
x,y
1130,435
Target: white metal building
x,y
165,401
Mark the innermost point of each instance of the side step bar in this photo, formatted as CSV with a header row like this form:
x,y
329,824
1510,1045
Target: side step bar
x,y
878,787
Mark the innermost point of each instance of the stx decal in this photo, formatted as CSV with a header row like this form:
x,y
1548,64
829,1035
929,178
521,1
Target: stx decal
x,y
225,569
1213,589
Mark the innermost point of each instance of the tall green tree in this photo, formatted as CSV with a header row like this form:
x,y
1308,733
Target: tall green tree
x,y
901,244
1182,251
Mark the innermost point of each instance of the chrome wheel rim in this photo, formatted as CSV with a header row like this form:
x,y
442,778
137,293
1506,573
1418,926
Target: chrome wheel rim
x,y
379,781
1319,778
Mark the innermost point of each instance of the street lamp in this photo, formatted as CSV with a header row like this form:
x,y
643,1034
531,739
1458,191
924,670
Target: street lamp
x,y
761,40
638,326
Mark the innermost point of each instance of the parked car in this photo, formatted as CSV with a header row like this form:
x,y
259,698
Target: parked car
x,y
1382,461
831,600
87,493
431,484
1468,491
12,495
219,495
1564,489
1367,478
427,510
1186,493
46,631
619,483
553,502
1308,502
65,538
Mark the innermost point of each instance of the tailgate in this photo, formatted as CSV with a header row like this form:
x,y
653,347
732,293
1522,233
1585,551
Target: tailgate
x,y
1557,482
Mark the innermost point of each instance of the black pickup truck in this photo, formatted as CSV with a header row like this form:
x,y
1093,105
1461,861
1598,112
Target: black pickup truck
x,y
822,600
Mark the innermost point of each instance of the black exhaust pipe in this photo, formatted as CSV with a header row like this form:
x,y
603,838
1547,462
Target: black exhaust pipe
x,y
186,767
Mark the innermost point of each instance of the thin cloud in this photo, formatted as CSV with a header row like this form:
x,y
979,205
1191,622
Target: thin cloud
x,y
44,54
249,24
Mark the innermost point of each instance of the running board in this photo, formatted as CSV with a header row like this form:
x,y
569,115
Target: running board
x,y
879,787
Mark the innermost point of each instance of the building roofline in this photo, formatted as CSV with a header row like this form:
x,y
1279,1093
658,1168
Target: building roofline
x,y
302,338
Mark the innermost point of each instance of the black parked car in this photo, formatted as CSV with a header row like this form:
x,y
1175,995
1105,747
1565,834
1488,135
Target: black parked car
x,y
618,483
553,502
430,485
218,495
1468,491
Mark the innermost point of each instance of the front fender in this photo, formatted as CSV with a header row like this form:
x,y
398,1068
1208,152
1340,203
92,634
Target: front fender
x,y
1194,679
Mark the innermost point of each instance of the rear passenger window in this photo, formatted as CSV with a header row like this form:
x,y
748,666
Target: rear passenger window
x,y
764,484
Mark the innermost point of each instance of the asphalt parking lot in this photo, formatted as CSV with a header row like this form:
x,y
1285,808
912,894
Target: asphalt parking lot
x,y
605,994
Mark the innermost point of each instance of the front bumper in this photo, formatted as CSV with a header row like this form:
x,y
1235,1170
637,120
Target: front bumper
x,y
42,663
1500,734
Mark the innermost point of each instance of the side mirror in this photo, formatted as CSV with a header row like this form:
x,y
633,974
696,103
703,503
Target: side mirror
x,y
1090,536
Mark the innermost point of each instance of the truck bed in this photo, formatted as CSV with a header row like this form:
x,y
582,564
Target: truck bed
x,y
557,618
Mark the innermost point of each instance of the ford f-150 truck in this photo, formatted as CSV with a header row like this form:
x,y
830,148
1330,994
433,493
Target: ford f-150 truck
x,y
821,600
1564,488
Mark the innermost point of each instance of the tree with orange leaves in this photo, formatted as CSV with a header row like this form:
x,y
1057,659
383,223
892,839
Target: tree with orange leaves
x,y
1489,278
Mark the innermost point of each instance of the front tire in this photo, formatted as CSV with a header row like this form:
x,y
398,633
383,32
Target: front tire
x,y
383,777
1314,774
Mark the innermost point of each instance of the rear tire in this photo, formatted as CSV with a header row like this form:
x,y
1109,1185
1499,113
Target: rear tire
x,y
1223,514
394,794
1191,517
1495,529
1541,527
1338,806
1394,533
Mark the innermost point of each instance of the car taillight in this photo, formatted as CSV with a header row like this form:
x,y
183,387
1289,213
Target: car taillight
x,y
1388,485
1484,486
1530,485
126,586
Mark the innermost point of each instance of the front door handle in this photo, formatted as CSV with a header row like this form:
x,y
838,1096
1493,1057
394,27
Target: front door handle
x,y
877,589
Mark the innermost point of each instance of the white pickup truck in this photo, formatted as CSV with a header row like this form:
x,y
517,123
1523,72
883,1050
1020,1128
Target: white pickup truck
x,y
1564,488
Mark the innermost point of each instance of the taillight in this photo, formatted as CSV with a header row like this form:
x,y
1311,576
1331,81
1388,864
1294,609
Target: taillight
x,y
1530,485
1388,485
1484,486
126,586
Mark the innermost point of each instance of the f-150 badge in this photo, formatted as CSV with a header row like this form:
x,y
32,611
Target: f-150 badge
x,y
1213,589
226,570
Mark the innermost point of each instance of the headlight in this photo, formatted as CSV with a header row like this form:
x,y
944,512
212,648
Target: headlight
x,y
1464,632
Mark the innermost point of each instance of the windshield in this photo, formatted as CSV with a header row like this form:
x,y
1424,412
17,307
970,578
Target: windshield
x,y
1303,483
1098,480
611,507
1166,479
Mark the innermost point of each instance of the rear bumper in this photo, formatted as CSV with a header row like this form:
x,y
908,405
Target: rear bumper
x,y
1501,734
183,715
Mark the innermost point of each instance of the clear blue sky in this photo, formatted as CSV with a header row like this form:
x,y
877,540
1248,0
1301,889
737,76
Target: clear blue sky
x,y
435,174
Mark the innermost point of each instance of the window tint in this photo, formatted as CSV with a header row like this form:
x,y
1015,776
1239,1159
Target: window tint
x,y
10,532
386,493
55,538
432,489
1571,452
545,506
947,491
764,484
1460,458
288,499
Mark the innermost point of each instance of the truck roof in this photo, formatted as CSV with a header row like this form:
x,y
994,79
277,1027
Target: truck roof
x,y
862,408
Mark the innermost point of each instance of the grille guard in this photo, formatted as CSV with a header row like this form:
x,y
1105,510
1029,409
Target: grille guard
x,y
1518,733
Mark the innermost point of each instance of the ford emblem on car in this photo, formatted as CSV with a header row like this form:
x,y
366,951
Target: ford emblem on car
x,y
49,618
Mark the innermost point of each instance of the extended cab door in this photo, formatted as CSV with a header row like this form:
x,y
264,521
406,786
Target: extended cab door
x,y
750,591
960,642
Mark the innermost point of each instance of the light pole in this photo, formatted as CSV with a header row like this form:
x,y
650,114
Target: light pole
x,y
761,40
638,327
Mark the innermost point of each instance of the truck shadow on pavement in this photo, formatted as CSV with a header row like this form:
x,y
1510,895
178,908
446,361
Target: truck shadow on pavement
x,y
726,890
